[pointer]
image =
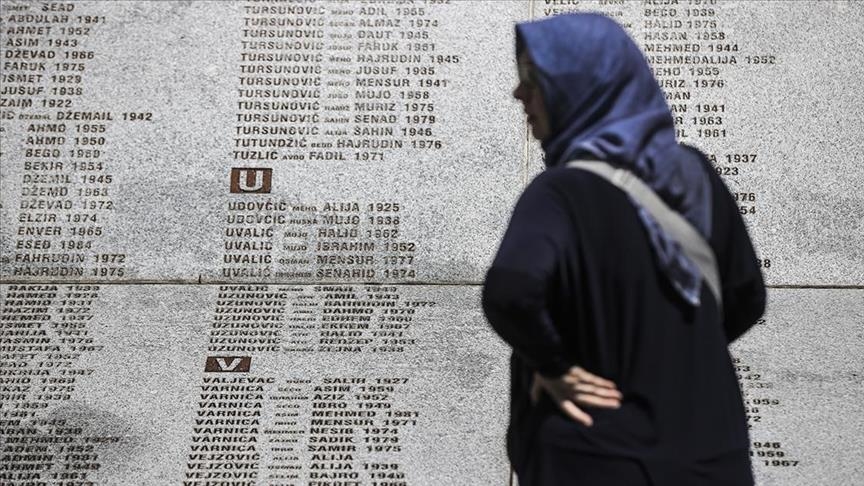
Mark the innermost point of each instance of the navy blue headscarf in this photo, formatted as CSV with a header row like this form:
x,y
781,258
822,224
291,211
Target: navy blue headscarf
x,y
604,104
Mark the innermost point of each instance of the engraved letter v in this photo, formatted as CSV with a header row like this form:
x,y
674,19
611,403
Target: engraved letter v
x,y
226,367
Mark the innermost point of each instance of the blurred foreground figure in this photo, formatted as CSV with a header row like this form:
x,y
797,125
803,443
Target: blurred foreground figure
x,y
620,370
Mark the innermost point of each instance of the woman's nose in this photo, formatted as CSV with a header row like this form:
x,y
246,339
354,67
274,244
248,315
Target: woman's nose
x,y
519,92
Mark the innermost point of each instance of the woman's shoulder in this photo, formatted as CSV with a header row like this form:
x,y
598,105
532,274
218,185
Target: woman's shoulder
x,y
698,153
564,177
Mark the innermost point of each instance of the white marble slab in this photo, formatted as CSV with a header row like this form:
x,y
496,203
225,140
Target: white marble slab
x,y
185,384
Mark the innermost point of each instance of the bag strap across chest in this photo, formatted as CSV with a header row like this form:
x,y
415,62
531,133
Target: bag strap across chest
x,y
692,243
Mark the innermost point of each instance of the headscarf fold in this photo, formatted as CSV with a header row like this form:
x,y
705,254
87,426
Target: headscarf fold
x,y
604,103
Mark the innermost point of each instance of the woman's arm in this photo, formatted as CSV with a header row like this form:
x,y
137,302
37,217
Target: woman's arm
x,y
741,279
516,286
515,303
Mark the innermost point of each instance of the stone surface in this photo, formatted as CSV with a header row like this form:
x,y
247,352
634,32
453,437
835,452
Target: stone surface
x,y
770,91
800,371
159,206
121,373
191,107
175,188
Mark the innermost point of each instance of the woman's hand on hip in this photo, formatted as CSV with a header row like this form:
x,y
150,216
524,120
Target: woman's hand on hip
x,y
577,388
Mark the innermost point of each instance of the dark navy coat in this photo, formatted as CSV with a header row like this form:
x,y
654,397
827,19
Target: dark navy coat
x,y
575,282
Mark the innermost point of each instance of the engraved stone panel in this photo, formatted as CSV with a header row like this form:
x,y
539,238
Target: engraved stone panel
x,y
770,91
105,381
252,141
276,157
266,384
800,370
119,144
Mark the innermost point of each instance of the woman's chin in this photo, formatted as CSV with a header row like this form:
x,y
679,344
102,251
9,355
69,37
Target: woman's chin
x,y
538,133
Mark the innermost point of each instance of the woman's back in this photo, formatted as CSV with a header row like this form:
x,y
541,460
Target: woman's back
x,y
682,416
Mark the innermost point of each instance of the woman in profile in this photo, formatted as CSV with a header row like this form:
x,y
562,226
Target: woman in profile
x,y
620,371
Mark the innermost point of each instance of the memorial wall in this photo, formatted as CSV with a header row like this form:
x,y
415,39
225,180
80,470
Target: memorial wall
x,y
243,242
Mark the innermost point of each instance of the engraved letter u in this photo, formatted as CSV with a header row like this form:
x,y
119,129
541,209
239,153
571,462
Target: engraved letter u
x,y
257,180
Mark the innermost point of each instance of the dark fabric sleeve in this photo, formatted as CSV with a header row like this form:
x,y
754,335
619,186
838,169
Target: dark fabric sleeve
x,y
516,286
741,279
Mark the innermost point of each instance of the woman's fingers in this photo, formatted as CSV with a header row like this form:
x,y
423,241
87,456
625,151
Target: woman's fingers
x,y
571,410
577,387
589,389
536,389
580,375
595,401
